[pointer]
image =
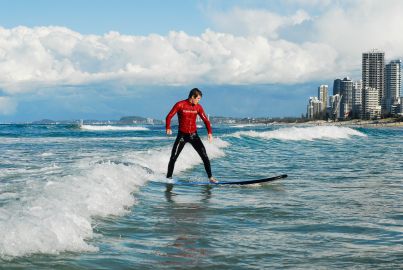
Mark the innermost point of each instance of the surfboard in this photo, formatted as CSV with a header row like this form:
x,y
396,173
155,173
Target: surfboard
x,y
222,183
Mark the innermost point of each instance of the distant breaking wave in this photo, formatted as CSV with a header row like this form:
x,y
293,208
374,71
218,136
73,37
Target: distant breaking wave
x,y
303,133
112,128
246,125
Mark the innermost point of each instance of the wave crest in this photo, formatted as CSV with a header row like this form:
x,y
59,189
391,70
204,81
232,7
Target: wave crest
x,y
112,128
303,133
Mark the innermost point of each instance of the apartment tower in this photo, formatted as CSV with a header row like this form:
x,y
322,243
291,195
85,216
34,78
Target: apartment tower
x,y
323,96
393,83
373,74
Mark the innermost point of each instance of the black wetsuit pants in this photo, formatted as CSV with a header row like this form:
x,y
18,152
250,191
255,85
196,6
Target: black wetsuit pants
x,y
197,144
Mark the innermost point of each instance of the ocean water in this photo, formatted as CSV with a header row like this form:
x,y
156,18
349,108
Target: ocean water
x,y
86,198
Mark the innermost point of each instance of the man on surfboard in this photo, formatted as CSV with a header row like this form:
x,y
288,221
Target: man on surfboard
x,y
187,111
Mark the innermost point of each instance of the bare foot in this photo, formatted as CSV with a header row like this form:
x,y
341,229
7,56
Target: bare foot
x,y
213,180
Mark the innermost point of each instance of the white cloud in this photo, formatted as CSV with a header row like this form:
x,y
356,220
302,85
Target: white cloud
x,y
247,22
361,26
46,56
7,106
247,46
347,28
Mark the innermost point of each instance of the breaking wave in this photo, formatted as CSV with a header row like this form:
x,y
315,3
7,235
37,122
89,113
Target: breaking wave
x,y
303,133
57,213
112,128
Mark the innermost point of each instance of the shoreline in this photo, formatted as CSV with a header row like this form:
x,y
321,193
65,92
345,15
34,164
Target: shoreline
x,y
359,123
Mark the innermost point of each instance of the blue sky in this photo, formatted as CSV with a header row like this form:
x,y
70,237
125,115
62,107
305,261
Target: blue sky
x,y
106,59
101,16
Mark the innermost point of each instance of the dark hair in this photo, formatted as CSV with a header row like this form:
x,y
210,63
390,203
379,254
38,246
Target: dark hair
x,y
195,92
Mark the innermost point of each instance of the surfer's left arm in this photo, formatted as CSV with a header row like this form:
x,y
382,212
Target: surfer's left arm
x,y
206,122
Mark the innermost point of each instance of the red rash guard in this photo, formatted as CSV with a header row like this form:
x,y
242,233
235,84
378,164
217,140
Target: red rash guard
x,y
187,113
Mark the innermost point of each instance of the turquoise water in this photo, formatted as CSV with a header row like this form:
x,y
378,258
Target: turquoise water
x,y
85,198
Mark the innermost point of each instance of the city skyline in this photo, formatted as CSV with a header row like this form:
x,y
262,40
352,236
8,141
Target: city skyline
x,y
377,94
77,60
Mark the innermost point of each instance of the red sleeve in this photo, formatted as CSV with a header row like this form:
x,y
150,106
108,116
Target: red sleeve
x,y
205,119
173,111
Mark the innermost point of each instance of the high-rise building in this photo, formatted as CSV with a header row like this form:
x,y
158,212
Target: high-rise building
x,y
314,108
357,99
370,101
346,93
393,83
373,73
336,87
323,96
357,84
335,106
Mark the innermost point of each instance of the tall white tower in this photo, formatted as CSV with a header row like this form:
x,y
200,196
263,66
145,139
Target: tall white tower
x,y
323,91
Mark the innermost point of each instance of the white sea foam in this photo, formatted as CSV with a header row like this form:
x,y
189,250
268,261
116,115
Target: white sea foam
x,y
246,125
8,140
46,154
303,133
112,128
58,214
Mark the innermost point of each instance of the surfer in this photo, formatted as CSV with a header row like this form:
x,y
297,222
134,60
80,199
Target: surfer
x,y
187,111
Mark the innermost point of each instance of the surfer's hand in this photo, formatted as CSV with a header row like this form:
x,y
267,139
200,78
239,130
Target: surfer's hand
x,y
169,131
210,137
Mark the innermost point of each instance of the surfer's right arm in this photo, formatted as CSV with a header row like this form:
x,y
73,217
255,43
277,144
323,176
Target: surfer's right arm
x,y
173,111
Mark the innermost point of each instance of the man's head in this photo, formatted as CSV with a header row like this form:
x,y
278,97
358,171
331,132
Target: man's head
x,y
195,95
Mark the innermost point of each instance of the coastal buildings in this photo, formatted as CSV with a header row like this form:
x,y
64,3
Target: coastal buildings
x,y
378,94
341,105
373,73
393,83
317,106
